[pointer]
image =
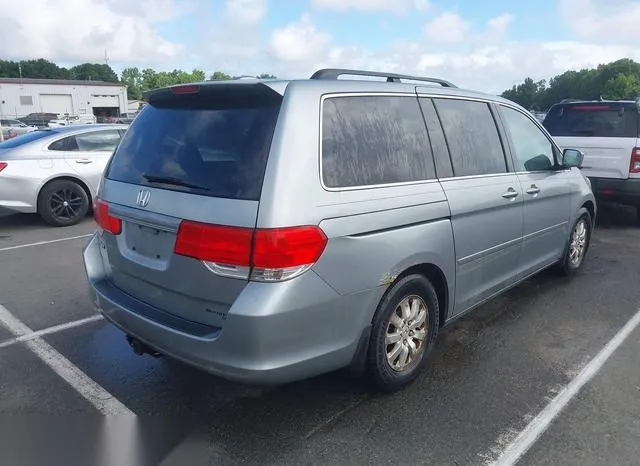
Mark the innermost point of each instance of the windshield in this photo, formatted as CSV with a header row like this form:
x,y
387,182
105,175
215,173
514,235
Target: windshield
x,y
604,120
221,152
25,138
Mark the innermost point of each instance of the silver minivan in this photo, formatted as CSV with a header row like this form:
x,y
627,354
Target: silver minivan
x,y
270,231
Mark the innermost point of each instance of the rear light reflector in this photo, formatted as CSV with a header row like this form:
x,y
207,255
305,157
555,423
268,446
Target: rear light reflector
x,y
634,167
213,243
104,219
262,255
3,165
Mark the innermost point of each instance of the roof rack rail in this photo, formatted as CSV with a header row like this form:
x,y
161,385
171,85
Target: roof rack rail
x,y
335,73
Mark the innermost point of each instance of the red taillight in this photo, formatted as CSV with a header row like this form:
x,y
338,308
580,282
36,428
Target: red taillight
x,y
104,220
213,243
591,108
634,166
186,89
282,248
268,254
3,165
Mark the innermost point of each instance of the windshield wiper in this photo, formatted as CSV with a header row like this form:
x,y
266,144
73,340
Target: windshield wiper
x,y
173,181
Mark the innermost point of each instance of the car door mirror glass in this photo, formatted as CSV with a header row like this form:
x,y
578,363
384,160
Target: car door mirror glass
x,y
538,163
572,158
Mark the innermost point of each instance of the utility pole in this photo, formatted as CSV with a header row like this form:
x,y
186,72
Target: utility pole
x,y
20,69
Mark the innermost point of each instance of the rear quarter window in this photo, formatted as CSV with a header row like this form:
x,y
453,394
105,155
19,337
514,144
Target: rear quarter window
x,y
202,144
604,120
374,140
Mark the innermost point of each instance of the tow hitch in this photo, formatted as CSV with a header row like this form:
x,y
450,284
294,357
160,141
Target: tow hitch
x,y
140,348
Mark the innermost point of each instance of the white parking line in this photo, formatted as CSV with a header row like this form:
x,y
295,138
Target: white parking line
x,y
40,243
539,424
50,330
101,399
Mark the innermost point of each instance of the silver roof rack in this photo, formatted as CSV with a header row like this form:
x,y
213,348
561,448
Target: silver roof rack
x,y
335,73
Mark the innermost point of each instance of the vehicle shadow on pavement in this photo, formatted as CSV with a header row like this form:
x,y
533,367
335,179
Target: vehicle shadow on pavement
x,y
616,216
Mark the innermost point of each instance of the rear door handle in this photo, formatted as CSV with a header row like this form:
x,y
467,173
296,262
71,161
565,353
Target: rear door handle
x,y
84,161
510,194
533,189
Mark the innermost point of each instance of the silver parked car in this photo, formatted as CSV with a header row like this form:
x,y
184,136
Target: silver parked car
x,y
269,231
13,128
55,172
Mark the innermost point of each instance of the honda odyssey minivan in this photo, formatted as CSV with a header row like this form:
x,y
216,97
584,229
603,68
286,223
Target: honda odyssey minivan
x,y
270,231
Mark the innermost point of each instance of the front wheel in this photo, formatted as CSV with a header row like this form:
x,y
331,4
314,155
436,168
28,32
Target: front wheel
x,y
578,245
63,203
404,331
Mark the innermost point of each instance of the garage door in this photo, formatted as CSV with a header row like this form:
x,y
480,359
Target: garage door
x,y
105,101
56,103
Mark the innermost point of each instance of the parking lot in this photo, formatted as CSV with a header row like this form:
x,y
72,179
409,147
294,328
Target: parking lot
x,y
496,376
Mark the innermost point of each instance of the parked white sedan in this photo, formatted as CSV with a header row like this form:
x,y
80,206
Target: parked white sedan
x,y
55,172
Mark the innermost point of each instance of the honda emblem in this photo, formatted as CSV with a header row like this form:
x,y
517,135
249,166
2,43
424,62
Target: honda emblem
x,y
143,197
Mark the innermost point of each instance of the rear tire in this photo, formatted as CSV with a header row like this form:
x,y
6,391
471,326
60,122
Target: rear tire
x,y
577,245
405,328
63,203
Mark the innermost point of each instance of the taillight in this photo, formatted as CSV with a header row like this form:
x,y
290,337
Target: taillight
x,y
104,219
213,243
283,253
634,167
185,89
261,255
3,165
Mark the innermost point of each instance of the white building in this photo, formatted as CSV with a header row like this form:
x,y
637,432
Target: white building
x,y
22,96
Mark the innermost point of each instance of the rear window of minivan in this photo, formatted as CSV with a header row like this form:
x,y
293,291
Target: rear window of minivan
x,y
215,143
593,119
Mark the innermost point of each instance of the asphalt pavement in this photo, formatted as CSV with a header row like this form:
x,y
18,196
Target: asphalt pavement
x,y
490,375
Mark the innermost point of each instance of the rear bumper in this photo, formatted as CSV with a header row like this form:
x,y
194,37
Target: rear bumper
x,y
18,194
273,333
615,190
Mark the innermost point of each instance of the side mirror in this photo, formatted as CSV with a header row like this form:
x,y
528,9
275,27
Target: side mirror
x,y
572,158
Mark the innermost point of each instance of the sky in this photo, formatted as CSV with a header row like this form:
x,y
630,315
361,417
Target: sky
x,y
486,45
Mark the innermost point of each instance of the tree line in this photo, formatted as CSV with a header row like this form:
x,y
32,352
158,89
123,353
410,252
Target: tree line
x,y
618,80
137,81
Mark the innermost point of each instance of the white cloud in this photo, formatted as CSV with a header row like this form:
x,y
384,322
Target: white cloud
x,y
373,5
447,28
499,24
299,41
486,61
245,12
68,30
610,20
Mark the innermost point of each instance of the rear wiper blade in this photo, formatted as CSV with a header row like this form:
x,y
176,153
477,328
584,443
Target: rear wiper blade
x,y
173,181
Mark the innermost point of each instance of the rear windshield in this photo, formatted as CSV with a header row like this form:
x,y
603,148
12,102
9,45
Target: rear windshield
x,y
601,120
207,145
24,139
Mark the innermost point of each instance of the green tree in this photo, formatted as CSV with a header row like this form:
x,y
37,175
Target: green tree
x,y
93,72
526,94
219,75
40,69
622,87
132,77
616,80
266,76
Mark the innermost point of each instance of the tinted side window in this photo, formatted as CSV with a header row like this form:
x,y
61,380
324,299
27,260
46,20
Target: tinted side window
x,y
374,140
472,137
533,149
97,141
